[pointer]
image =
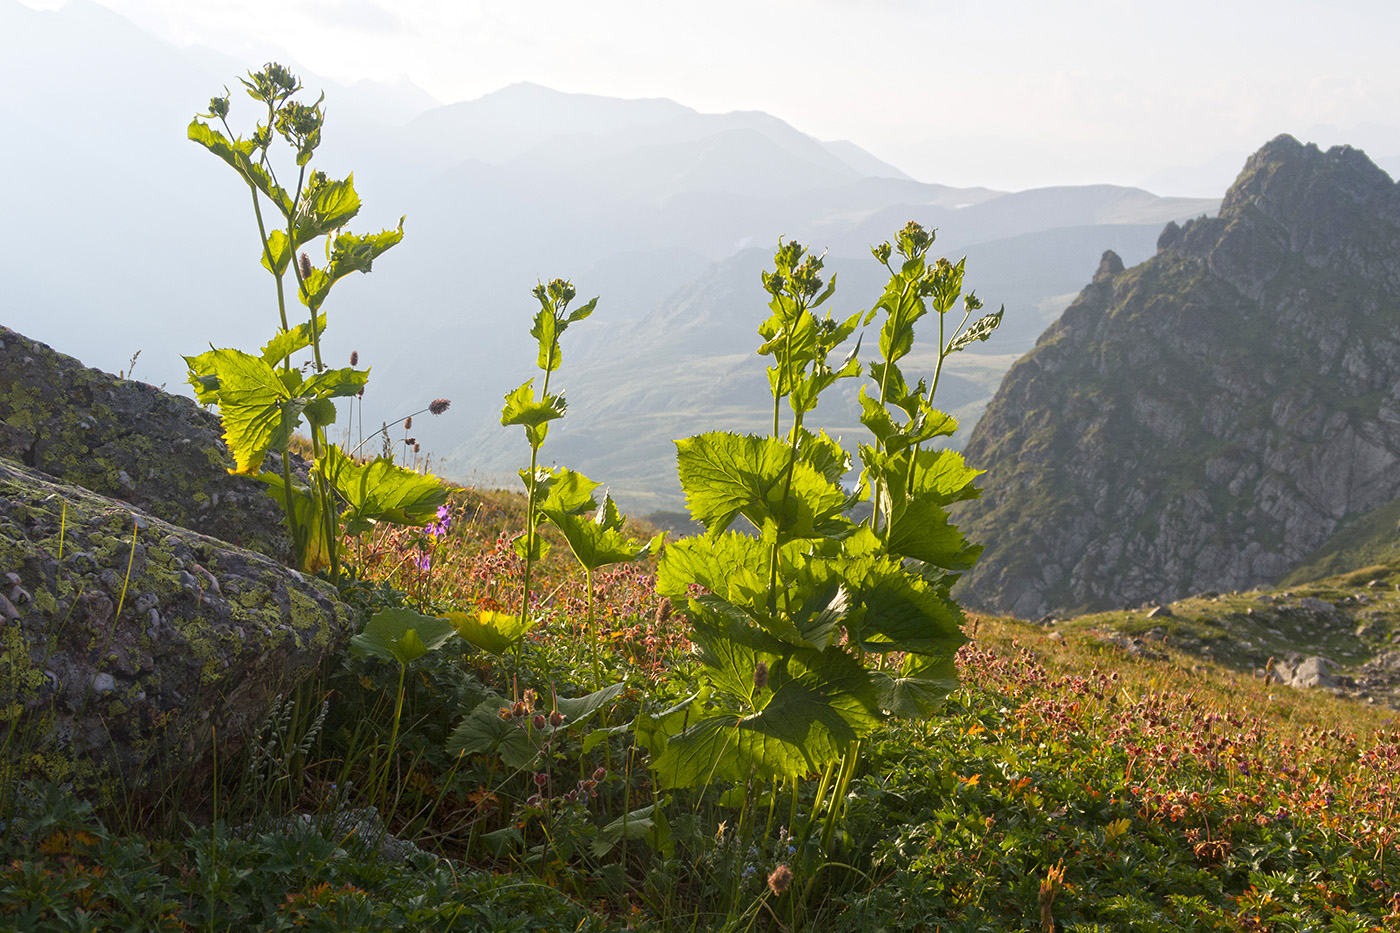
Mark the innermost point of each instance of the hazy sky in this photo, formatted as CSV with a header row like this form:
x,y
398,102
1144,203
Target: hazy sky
x,y
1004,93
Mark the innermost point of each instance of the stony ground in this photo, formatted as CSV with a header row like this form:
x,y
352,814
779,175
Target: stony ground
x,y
1340,634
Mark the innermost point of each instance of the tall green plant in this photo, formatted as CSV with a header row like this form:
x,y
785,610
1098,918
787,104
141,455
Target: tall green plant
x,y
535,414
263,398
814,631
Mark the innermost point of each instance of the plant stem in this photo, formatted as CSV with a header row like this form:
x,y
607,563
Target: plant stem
x,y
592,628
393,734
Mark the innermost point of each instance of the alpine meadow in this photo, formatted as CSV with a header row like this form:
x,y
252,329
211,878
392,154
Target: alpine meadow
x,y
1128,659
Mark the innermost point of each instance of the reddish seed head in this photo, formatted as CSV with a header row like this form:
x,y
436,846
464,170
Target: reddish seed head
x,y
541,779
556,719
599,774
305,266
408,423
538,721
779,880
439,405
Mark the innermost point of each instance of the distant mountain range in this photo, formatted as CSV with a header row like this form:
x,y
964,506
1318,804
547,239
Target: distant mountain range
x,y
1213,418
120,236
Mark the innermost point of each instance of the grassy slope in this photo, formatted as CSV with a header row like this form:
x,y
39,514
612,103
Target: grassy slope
x,y
1163,790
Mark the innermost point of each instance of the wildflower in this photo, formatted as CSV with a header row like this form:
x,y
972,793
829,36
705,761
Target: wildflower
x,y
424,561
556,719
600,773
541,779
439,405
779,880
538,721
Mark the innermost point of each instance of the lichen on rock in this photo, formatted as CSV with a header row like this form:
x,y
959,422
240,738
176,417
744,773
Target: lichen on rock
x,y
130,641
129,441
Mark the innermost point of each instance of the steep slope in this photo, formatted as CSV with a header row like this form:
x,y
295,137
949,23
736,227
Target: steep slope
x,y
1206,419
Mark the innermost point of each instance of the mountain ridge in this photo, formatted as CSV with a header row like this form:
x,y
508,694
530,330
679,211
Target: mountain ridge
x,y
1203,420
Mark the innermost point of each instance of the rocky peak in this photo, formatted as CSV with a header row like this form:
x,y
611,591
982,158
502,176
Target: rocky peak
x,y
1110,265
1204,420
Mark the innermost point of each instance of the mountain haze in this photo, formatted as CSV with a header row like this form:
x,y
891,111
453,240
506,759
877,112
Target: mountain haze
x,y
122,236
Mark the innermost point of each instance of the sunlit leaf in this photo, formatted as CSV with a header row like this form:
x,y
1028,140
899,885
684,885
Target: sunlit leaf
x,y
493,632
258,412
725,475
381,491
288,342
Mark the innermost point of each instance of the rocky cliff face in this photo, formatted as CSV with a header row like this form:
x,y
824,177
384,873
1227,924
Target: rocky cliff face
x,y
1206,419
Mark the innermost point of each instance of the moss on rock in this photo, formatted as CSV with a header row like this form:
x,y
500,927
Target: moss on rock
x,y
128,641
129,441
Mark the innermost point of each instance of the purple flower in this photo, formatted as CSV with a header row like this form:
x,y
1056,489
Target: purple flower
x,y
444,523
424,561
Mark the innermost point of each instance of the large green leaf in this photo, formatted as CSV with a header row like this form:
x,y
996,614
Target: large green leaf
x,y
731,650
596,541
324,208
894,610
919,528
522,408
381,491
578,710
943,477
483,731
238,154
822,702
804,609
336,383
919,688
732,565
401,635
350,253
494,632
258,411
288,342
725,475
